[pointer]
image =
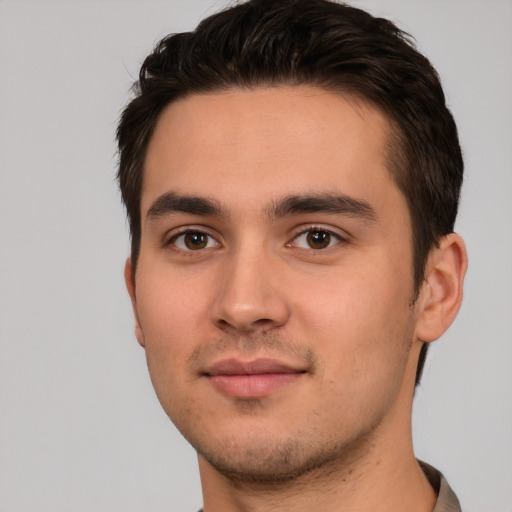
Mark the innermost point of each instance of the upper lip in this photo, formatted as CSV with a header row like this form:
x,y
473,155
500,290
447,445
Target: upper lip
x,y
254,367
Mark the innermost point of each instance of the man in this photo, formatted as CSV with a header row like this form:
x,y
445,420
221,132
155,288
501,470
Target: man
x,y
291,175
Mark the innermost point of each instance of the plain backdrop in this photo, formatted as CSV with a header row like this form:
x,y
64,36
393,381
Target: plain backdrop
x,y
80,427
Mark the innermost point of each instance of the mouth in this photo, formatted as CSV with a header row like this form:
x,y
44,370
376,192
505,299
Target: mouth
x,y
251,379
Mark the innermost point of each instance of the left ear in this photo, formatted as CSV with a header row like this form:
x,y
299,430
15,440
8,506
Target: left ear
x,y
441,292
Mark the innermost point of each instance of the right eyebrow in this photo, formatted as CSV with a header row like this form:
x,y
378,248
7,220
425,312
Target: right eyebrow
x,y
171,202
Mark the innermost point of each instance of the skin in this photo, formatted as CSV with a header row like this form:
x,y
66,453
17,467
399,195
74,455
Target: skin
x,y
251,281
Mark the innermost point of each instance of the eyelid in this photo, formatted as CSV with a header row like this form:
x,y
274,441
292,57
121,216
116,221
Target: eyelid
x,y
342,236
175,233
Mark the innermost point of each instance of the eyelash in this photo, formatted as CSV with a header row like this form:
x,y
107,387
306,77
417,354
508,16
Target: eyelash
x,y
172,241
330,237
319,229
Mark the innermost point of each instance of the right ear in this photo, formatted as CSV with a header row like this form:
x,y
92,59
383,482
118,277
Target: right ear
x,y
129,278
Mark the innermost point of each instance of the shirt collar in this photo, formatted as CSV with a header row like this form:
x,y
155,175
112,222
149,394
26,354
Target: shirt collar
x,y
446,499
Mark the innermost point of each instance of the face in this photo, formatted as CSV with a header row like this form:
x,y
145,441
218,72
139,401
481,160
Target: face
x,y
273,288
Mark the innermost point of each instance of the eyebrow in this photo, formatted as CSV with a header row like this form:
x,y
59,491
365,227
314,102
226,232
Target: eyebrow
x,y
170,203
339,204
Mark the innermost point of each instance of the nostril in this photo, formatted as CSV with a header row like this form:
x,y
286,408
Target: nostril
x,y
239,309
263,321
246,325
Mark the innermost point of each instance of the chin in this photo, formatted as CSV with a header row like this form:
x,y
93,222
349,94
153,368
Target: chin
x,y
270,461
267,465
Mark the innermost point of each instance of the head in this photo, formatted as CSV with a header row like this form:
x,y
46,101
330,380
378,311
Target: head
x,y
332,46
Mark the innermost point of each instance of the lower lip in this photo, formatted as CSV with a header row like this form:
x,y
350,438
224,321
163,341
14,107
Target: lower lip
x,y
252,386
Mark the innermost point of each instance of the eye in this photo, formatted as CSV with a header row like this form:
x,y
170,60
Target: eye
x,y
316,238
193,241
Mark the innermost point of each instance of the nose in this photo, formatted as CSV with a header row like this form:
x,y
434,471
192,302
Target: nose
x,y
251,294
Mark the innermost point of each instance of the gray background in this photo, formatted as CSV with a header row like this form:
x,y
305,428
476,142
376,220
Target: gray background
x,y
80,428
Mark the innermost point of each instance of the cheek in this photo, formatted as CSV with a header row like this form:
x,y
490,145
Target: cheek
x,y
169,311
359,299
168,305
359,320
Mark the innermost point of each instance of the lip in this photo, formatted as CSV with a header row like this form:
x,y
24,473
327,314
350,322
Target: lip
x,y
251,379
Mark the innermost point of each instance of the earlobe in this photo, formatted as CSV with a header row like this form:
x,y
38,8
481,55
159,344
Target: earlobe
x,y
441,292
129,278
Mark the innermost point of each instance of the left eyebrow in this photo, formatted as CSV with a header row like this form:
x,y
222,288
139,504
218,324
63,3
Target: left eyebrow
x,y
339,204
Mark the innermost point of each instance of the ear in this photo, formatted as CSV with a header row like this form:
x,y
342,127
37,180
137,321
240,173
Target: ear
x,y
129,278
441,292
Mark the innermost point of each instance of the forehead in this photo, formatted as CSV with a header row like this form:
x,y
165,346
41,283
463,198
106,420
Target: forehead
x,y
260,143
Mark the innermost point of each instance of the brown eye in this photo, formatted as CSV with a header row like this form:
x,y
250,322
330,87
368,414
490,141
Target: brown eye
x,y
317,239
194,241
